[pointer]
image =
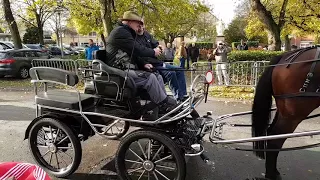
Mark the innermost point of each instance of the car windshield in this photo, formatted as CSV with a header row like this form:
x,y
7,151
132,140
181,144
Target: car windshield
x,y
2,55
33,47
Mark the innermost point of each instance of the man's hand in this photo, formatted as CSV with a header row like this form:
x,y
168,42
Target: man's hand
x,y
157,51
148,66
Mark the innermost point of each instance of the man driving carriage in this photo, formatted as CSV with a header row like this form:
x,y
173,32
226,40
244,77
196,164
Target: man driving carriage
x,y
176,79
123,52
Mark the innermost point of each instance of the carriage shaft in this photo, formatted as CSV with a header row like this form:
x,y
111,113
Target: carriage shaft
x,y
263,138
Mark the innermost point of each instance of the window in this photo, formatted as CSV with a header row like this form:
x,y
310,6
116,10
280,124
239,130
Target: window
x,y
2,55
93,34
30,54
19,54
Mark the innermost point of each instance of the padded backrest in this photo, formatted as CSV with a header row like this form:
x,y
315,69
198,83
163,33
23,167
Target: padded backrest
x,y
54,75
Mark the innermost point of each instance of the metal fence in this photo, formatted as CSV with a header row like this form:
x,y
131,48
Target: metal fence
x,y
242,73
65,64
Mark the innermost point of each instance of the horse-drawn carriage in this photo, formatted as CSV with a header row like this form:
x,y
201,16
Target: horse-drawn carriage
x,y
156,149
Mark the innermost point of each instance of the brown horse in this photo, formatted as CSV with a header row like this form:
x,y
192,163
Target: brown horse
x,y
295,88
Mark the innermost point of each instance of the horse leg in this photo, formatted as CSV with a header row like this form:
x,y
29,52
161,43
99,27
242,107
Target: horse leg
x,y
280,126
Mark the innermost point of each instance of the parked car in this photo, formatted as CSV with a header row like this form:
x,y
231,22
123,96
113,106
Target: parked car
x,y
11,45
56,51
38,47
18,62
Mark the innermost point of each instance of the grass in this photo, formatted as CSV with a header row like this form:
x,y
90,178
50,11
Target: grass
x,y
15,84
239,93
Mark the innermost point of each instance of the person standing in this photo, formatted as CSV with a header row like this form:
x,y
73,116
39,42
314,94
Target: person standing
x,y
169,53
194,53
182,54
90,50
210,58
221,59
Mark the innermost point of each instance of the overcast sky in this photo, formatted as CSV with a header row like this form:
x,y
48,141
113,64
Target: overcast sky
x,y
224,9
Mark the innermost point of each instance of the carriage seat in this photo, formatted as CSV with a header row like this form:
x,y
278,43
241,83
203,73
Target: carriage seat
x,y
64,100
108,85
59,99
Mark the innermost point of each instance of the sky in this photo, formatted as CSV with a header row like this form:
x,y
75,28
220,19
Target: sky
x,y
224,9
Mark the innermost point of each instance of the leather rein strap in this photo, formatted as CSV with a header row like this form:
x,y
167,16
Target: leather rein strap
x,y
302,91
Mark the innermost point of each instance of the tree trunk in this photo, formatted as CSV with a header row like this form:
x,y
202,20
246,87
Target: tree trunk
x,y
58,37
40,28
266,18
12,24
287,43
106,6
103,40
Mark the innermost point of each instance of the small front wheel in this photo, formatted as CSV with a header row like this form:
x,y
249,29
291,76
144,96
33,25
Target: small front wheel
x,y
149,155
55,147
116,129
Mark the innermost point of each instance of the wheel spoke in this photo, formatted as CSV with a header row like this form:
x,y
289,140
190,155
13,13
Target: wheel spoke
x,y
50,158
166,167
57,160
167,157
45,153
117,128
65,148
62,140
148,175
149,149
157,152
142,174
162,174
55,139
51,133
141,149
129,172
136,154
155,175
45,133
40,146
132,161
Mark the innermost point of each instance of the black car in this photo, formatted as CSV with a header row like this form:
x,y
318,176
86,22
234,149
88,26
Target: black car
x,y
18,62
37,47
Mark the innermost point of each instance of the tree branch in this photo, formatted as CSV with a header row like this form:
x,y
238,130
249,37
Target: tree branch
x,y
26,20
282,14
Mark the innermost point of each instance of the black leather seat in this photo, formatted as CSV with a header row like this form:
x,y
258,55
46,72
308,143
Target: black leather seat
x,y
112,83
64,100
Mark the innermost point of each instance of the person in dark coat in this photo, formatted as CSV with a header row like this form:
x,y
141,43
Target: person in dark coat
x,y
176,79
123,52
194,53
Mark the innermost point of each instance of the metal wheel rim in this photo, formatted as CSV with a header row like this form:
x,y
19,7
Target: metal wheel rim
x,y
52,136
24,73
147,162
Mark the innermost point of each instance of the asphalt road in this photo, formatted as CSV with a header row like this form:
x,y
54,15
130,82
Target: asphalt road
x,y
17,109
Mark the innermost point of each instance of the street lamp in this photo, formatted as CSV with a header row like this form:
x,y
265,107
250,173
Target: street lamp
x,y
59,10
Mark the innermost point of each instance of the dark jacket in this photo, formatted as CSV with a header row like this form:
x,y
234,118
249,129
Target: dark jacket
x,y
148,41
120,46
193,52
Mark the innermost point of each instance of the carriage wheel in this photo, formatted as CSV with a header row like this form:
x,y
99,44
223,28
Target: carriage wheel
x,y
55,147
149,155
117,130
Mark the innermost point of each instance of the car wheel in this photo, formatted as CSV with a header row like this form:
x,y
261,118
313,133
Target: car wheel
x,y
23,73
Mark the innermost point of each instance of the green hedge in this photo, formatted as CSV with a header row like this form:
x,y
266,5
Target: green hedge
x,y
249,43
253,55
203,45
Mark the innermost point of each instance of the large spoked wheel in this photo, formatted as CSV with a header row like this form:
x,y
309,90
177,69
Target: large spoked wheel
x,y
116,129
149,155
55,147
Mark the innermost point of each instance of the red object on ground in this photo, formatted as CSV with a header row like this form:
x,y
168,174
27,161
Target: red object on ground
x,y
22,171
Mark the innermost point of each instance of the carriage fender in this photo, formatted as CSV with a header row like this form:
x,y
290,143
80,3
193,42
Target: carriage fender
x,y
26,135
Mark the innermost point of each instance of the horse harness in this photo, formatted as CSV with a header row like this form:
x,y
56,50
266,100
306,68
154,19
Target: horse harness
x,y
302,91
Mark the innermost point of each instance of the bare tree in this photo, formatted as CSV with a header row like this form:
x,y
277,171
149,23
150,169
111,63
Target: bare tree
x,y
41,11
12,24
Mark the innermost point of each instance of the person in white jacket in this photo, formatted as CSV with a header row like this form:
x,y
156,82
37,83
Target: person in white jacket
x,y
221,54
